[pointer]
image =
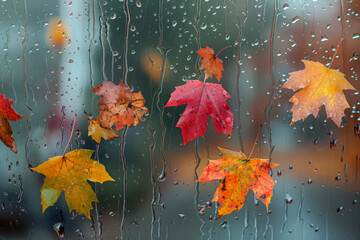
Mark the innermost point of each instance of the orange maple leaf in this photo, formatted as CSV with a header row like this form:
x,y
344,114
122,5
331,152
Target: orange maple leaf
x,y
319,86
238,175
7,113
69,174
211,63
120,106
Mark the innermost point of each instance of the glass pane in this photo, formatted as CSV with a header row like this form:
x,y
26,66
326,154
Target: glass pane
x,y
137,69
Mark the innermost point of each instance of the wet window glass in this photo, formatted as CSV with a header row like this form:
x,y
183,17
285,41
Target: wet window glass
x,y
191,119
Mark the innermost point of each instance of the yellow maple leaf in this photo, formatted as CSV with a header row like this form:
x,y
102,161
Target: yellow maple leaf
x,y
69,174
238,176
319,86
97,132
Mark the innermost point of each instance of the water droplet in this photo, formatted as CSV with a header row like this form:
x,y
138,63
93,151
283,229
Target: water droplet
x,y
80,234
134,223
162,177
203,26
223,225
288,199
295,19
356,35
59,229
324,38
113,16
340,209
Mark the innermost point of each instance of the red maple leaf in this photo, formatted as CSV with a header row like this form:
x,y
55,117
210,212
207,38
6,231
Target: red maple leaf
x,y
211,63
202,101
7,113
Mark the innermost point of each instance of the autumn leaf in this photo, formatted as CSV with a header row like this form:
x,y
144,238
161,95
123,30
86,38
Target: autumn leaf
x,y
319,86
97,132
68,174
202,101
211,63
7,113
238,175
119,105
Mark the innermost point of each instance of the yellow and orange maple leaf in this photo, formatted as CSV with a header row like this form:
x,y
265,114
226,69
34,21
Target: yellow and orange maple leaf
x,y
97,132
238,175
319,86
211,63
69,174
119,105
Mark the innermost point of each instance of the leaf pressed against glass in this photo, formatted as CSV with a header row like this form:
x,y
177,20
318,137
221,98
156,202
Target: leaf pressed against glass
x,y
119,105
203,100
7,113
212,64
238,175
69,174
97,132
319,86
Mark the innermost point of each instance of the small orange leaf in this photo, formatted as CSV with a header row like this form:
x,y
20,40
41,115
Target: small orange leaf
x,y
69,174
212,64
319,86
238,175
120,106
7,113
97,132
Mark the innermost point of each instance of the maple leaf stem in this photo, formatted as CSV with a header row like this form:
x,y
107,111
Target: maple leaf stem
x,y
253,147
72,131
222,50
337,49
88,117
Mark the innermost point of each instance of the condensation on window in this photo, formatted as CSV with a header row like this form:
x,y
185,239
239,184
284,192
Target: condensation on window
x,y
54,53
